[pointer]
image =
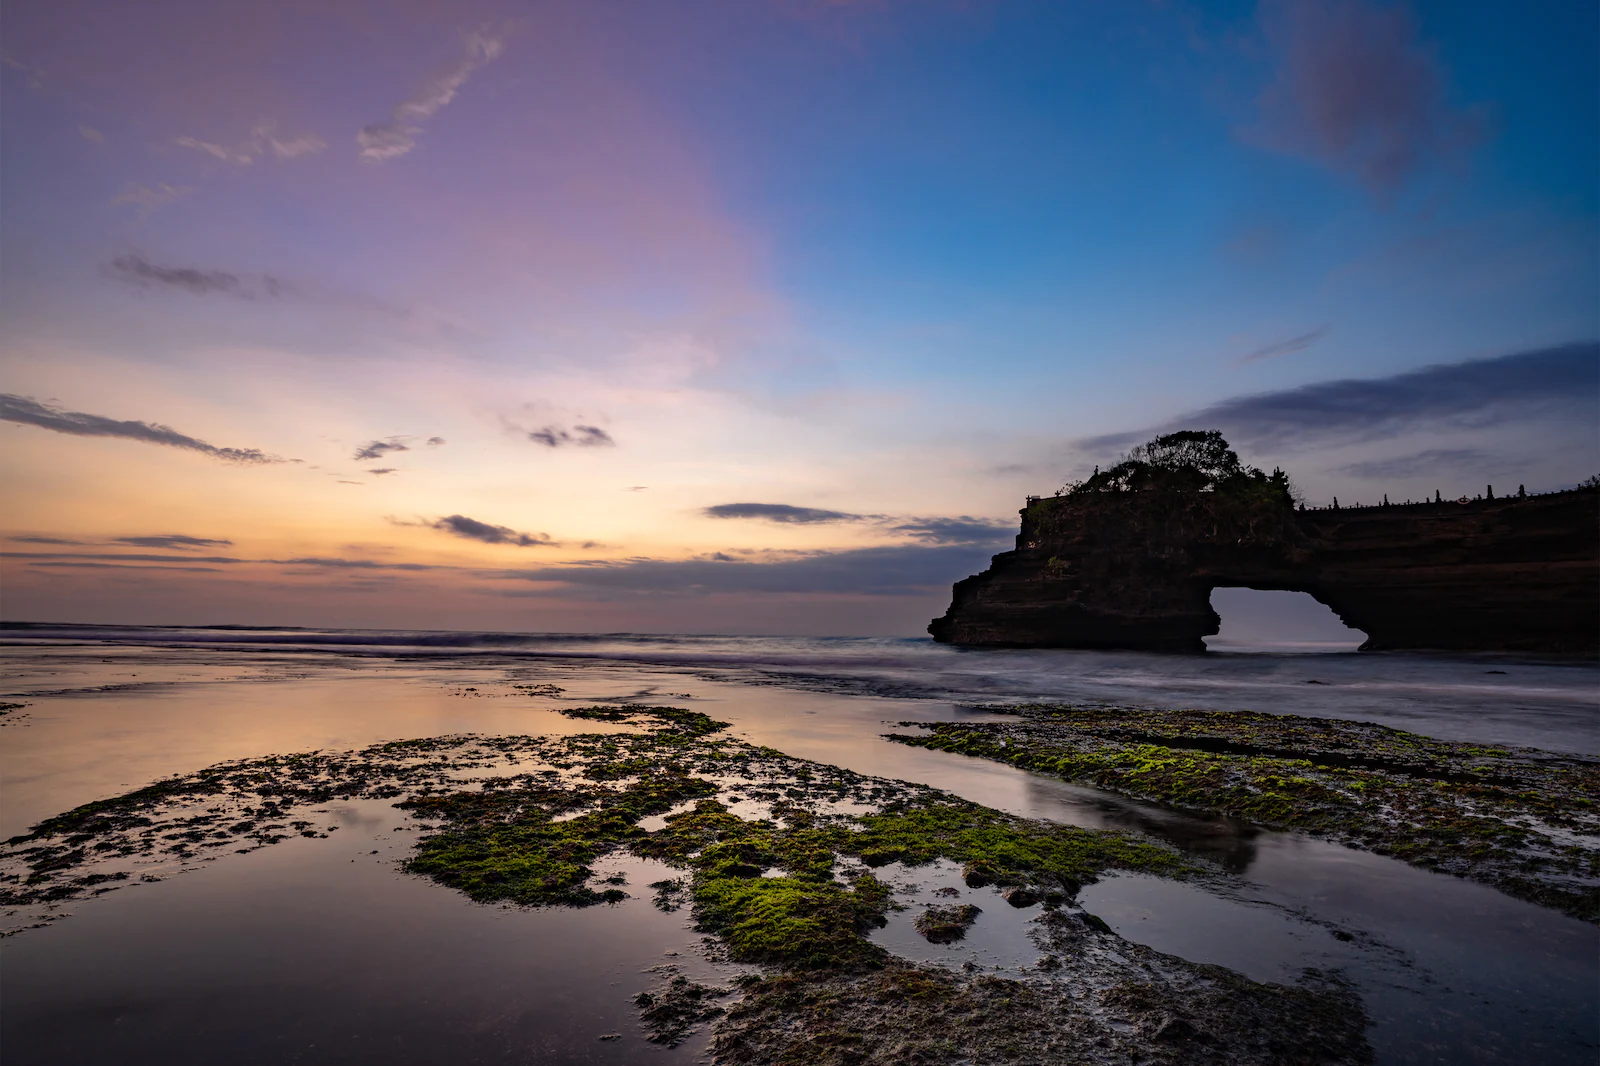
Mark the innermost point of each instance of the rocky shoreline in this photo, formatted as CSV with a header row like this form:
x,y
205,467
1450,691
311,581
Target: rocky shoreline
x,y
780,860
1522,820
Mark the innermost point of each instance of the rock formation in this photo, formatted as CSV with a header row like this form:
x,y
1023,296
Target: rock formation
x,y
1121,568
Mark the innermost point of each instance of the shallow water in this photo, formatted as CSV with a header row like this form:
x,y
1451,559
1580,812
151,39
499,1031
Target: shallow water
x,y
319,951
1494,699
1450,970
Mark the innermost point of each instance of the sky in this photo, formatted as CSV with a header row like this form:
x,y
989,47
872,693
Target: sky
x,y
752,316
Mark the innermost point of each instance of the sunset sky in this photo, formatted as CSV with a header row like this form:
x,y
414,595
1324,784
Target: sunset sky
x,y
751,315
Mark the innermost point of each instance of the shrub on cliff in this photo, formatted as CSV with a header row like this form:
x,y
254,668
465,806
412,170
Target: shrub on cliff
x,y
1189,461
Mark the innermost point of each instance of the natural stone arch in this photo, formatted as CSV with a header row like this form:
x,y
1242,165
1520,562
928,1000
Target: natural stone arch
x,y
1251,616
1130,569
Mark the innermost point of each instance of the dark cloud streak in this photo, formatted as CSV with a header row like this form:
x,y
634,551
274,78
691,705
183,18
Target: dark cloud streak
x,y
1435,461
1560,383
30,412
124,557
472,529
378,448
352,564
900,570
1282,348
582,436
140,272
120,566
962,530
173,541
780,512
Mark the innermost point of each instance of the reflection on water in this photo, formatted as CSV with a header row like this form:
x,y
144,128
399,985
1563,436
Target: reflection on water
x,y
319,951
1495,699
998,940
293,943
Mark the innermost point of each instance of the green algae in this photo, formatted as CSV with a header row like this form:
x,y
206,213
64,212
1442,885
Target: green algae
x,y
793,923
1523,821
666,719
525,821
501,845
1003,849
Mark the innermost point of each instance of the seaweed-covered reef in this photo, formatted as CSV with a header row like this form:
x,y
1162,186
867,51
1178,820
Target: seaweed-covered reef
x,y
1129,557
1522,820
779,859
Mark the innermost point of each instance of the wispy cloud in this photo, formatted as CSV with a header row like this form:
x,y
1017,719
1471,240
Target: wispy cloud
x,y
174,541
264,137
138,271
434,442
582,436
963,529
123,566
383,141
126,557
472,529
150,198
780,512
231,156
891,570
30,412
352,564
119,559
262,142
89,133
1282,348
1434,461
1357,90
381,470
34,75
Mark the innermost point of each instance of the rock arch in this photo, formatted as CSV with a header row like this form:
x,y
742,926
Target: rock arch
x,y
1136,570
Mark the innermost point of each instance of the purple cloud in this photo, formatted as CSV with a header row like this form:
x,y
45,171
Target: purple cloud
x,y
1357,90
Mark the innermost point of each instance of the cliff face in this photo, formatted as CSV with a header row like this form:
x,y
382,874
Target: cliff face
x,y
1136,570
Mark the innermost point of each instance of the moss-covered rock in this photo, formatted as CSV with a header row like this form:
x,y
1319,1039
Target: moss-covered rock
x,y
1524,821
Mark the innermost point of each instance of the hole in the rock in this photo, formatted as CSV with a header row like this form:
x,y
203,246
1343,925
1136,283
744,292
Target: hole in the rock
x,y
1252,618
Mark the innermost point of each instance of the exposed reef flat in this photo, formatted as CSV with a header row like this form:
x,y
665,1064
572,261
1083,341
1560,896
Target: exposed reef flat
x,y
777,857
1522,820
1099,1000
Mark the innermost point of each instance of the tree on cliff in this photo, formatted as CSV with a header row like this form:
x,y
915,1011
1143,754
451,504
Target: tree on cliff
x,y
1189,461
